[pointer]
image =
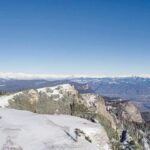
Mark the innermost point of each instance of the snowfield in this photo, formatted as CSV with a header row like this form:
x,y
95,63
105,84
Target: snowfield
x,y
23,130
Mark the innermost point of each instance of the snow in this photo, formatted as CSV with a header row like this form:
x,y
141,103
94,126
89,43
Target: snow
x,y
58,90
66,87
4,100
29,131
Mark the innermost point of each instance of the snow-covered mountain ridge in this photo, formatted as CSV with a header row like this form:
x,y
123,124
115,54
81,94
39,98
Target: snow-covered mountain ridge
x,y
55,100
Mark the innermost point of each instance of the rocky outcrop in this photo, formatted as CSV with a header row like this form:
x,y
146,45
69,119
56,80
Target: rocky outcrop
x,y
128,118
54,100
34,97
130,112
96,104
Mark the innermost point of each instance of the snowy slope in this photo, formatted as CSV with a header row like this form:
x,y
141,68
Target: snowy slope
x,y
4,100
29,131
57,91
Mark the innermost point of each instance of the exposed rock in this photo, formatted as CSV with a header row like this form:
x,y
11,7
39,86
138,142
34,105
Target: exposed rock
x,y
130,112
33,96
96,103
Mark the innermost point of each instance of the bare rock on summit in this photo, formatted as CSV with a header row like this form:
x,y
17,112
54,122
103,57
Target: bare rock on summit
x,y
33,96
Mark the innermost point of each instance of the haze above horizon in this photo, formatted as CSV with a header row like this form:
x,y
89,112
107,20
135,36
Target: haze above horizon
x,y
75,37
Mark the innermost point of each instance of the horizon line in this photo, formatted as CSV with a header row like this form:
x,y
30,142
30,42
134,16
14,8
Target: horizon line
x,y
31,76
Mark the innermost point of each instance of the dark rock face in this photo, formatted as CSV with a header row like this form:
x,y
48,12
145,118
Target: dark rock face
x,y
123,136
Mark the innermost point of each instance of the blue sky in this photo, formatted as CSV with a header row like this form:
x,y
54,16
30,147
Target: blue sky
x,y
75,36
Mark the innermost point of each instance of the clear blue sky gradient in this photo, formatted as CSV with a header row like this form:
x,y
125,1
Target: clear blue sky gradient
x,y
75,36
